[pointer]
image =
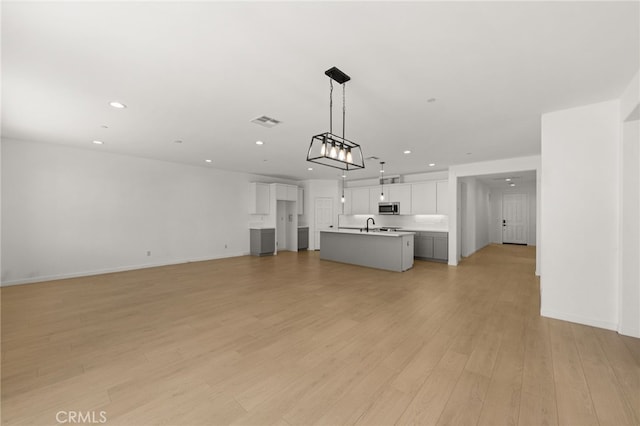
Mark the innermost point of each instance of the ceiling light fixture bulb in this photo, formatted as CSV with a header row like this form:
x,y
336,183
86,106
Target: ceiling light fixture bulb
x,y
349,156
309,168
342,153
508,179
342,199
334,152
117,104
382,196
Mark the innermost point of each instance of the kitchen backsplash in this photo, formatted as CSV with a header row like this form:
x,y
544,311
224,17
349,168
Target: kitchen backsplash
x,y
420,221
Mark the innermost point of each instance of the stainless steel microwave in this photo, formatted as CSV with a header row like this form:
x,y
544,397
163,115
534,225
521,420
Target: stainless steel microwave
x,y
389,208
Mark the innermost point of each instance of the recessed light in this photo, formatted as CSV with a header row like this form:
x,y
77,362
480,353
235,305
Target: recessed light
x,y
309,168
512,184
344,175
407,152
432,164
259,143
104,126
207,161
508,179
431,100
177,141
98,142
117,104
468,153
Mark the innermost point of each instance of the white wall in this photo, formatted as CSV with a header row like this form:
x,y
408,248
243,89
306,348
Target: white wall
x,y
629,315
474,217
630,231
496,195
579,214
70,212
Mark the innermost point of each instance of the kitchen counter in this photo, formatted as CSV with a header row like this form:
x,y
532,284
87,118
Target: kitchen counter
x,y
404,229
374,232
426,229
392,251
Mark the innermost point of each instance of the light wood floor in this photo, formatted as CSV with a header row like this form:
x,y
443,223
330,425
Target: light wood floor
x,y
292,340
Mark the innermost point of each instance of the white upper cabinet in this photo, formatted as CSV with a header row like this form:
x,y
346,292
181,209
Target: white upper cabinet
x,y
360,200
401,193
286,192
430,197
292,193
259,198
423,198
442,197
374,198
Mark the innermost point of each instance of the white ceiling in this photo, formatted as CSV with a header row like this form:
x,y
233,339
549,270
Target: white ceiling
x,y
200,71
499,180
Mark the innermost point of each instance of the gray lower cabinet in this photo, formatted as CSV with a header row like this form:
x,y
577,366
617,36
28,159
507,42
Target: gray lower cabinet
x,y
303,238
262,241
432,246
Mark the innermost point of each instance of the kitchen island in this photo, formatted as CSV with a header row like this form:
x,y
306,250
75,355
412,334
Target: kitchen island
x,y
392,251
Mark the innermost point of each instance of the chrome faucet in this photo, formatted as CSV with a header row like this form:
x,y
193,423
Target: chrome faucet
x,y
373,222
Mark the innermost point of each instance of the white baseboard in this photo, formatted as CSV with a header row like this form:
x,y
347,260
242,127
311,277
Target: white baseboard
x,y
631,332
580,320
33,280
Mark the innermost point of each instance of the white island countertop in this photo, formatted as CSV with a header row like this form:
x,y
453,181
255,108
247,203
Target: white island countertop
x,y
370,233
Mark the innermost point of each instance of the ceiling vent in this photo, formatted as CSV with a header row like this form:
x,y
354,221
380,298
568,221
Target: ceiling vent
x,y
266,121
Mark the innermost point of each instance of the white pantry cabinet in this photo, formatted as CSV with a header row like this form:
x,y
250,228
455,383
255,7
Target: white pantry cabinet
x,y
259,198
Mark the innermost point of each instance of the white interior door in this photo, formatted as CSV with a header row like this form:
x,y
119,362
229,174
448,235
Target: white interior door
x,y
323,218
514,219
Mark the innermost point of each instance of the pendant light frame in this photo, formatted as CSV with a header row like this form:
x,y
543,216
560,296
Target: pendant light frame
x,y
382,181
330,149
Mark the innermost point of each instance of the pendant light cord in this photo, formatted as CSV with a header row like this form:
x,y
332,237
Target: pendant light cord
x,y
344,108
330,105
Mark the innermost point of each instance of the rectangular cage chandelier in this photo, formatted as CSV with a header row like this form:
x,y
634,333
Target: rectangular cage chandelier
x,y
328,148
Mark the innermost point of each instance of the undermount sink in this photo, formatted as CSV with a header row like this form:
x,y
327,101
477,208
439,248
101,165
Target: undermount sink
x,y
370,230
